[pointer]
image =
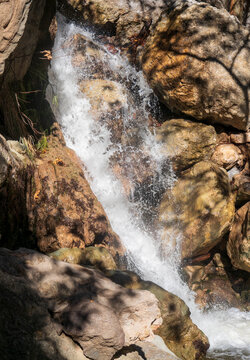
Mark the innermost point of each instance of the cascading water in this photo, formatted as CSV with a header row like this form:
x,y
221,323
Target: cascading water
x,y
228,330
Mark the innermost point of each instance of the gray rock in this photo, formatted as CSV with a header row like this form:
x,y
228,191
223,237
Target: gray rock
x,y
96,313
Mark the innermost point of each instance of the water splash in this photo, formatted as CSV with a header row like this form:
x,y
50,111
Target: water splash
x,y
228,330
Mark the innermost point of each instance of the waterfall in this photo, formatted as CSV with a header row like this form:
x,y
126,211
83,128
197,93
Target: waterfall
x,y
228,330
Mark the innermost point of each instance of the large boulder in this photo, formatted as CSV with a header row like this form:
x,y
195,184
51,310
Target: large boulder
x,y
186,142
63,211
27,330
202,205
19,35
238,246
93,311
196,60
179,333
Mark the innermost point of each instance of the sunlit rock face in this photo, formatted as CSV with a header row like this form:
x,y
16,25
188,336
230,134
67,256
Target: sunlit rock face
x,y
194,70
64,212
177,330
202,205
238,246
186,142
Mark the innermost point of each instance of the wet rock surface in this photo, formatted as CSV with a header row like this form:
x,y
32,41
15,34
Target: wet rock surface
x,y
125,20
217,284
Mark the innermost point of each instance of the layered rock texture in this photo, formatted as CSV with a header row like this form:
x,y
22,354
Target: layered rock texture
x,y
194,70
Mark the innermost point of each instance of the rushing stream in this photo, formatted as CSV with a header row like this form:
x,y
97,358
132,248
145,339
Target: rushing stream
x,y
228,330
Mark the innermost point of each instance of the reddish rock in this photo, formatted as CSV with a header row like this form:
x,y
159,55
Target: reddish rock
x,y
64,212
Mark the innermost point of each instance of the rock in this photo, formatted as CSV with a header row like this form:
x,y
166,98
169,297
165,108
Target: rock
x,y
215,283
180,335
109,103
194,70
19,35
6,160
186,142
15,169
24,28
100,335
202,205
122,19
95,312
238,246
240,138
241,185
115,105
95,256
26,329
238,8
227,156
64,212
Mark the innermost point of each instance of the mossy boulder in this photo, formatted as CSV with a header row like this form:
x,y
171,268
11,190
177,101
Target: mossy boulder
x,y
98,257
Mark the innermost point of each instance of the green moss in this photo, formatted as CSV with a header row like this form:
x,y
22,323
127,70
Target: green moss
x,y
42,143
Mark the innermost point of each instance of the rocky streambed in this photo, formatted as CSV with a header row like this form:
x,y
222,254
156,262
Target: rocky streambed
x,y
134,242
